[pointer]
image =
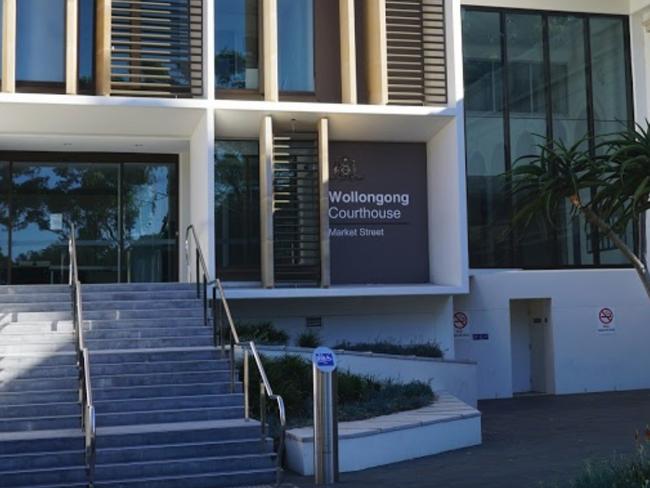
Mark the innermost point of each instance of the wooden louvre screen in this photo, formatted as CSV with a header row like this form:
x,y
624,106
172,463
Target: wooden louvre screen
x,y
416,49
157,48
296,210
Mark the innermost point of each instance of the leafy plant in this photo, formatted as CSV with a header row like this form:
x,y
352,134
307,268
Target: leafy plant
x,y
309,339
359,397
423,349
262,333
610,190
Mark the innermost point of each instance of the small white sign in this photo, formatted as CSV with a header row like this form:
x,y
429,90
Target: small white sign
x,y
324,359
605,320
461,325
56,221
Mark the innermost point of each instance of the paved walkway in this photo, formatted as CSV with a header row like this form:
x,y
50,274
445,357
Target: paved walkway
x,y
526,441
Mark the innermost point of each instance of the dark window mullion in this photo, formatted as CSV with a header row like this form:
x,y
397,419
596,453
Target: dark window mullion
x,y
591,124
505,109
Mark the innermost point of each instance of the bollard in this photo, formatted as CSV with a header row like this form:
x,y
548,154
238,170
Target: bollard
x,y
326,436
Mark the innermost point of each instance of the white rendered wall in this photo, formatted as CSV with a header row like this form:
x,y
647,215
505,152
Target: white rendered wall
x,y
201,181
584,360
400,319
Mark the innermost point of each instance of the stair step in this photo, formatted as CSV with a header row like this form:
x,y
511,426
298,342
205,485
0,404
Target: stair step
x,y
207,480
179,433
44,297
25,338
38,384
171,416
158,391
39,397
31,290
185,467
27,361
41,460
158,322
35,442
123,380
149,343
154,355
161,313
41,423
39,409
42,316
38,327
120,287
105,369
138,295
140,305
36,306
183,451
169,403
26,372
33,477
148,333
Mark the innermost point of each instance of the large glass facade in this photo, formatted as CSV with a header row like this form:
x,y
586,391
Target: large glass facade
x,y
529,76
237,44
237,210
296,45
40,42
124,210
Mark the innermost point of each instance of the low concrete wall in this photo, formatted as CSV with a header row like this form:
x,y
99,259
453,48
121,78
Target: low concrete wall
x,y
459,378
446,425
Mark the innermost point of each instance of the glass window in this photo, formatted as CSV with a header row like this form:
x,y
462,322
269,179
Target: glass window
x,y
86,46
488,213
237,44
40,41
527,77
237,210
296,45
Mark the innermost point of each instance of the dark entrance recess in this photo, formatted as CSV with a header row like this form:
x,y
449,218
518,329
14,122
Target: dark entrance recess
x,y
124,207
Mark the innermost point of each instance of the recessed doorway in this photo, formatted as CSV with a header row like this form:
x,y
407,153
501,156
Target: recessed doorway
x,y
532,346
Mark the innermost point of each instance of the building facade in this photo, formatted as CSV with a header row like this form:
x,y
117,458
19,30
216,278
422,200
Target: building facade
x,y
340,162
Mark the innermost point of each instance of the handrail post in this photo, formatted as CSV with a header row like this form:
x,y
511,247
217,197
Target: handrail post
x,y
247,413
232,363
205,300
198,273
215,337
263,411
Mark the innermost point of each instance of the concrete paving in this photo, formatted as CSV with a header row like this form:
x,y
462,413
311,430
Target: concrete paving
x,y
527,442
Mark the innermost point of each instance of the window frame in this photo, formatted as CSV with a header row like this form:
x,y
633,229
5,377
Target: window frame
x,y
595,234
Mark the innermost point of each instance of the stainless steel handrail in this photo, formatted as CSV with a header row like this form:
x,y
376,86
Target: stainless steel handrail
x,y
248,347
88,417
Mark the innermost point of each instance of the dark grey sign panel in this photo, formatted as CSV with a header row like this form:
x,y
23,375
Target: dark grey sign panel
x,y
378,213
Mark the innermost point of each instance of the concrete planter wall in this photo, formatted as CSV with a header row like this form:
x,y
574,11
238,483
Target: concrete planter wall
x,y
446,425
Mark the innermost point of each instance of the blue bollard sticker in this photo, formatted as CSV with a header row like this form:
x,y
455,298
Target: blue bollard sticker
x,y
324,359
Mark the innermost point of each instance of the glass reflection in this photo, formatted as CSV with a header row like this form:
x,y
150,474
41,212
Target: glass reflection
x,y
296,45
40,40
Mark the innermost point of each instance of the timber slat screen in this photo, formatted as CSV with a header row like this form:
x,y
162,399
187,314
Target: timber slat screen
x,y
415,36
156,48
296,210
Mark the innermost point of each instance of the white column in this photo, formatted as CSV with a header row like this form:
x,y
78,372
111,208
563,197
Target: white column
x,y
9,46
266,201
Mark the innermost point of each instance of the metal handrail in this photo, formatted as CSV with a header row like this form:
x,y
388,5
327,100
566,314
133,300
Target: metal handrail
x,y
88,417
248,347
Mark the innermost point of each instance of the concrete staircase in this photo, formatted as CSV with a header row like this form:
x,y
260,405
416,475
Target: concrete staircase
x,y
166,415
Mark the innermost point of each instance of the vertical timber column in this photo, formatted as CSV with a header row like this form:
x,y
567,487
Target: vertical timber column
x,y
103,47
270,49
324,172
348,52
9,46
71,45
377,51
266,201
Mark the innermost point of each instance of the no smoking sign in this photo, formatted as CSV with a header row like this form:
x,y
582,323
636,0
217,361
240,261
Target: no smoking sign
x,y
461,323
606,323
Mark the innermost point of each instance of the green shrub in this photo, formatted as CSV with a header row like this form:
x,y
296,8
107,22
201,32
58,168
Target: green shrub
x,y
425,349
262,333
310,339
359,397
624,472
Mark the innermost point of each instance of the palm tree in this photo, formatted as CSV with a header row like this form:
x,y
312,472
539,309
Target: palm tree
x,y
611,190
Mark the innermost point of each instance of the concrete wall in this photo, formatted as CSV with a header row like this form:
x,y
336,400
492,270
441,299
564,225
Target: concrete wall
x,y
398,319
583,359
